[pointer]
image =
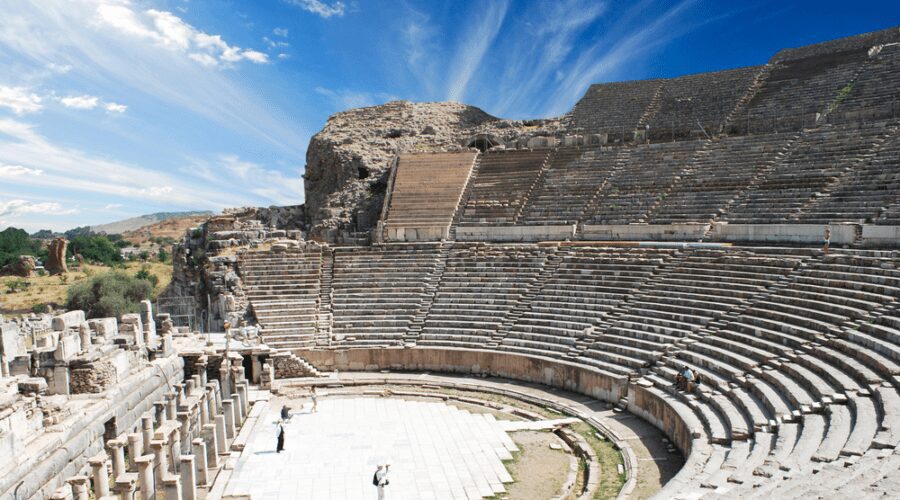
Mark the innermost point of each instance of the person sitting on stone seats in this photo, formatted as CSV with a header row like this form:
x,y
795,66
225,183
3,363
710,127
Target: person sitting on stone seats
x,y
688,375
679,381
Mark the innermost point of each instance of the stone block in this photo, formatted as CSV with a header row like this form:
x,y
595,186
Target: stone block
x,y
67,348
67,320
12,342
105,328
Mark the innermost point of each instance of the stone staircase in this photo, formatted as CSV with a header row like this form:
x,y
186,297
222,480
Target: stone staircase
x,y
433,281
324,316
464,198
590,207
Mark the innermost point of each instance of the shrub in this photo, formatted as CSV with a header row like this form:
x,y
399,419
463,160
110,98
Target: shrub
x,y
15,285
109,294
163,255
145,274
39,308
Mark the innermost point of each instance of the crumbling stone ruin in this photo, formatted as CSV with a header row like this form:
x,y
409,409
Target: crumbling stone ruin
x,y
23,268
56,256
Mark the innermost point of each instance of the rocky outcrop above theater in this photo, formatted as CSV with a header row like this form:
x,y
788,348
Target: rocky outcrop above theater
x,y
348,161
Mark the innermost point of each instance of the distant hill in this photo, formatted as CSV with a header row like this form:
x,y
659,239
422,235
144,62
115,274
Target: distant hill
x,y
135,223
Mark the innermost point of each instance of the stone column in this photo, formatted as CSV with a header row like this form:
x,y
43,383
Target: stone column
x,y
211,401
180,400
172,487
204,409
189,387
160,449
198,385
147,430
201,366
160,410
188,478
245,397
212,448
4,366
135,449
118,453
100,475
238,408
79,487
125,487
228,411
221,442
147,479
171,405
201,463
184,431
85,333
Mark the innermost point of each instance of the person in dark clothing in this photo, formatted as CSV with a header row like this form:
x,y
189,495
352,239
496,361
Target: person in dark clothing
x,y
279,434
285,413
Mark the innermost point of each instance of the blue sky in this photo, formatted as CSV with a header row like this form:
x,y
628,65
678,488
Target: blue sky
x,y
115,108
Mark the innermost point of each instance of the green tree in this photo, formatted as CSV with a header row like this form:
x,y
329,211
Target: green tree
x,y
109,294
163,255
97,249
15,242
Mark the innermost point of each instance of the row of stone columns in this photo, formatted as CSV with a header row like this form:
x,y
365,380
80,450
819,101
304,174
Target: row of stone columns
x,y
165,456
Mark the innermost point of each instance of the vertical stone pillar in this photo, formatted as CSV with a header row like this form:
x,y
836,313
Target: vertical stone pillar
x,y
245,397
211,401
201,463
212,448
147,430
201,366
238,408
79,487
184,432
188,478
180,400
173,488
125,487
117,446
160,409
100,475
204,409
228,411
189,387
175,451
85,333
135,449
147,481
62,493
198,384
221,435
4,366
160,449
171,405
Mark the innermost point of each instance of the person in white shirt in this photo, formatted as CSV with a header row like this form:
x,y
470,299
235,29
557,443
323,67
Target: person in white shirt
x,y
381,479
689,378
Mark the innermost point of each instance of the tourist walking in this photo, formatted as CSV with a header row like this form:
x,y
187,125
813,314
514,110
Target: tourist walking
x,y
285,413
827,241
313,395
279,435
380,479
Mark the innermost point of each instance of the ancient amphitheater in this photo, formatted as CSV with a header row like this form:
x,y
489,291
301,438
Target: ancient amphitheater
x,y
665,224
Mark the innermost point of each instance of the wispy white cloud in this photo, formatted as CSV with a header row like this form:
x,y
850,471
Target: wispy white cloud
x,y
18,171
112,206
275,44
113,107
319,8
19,207
283,32
475,44
80,102
171,32
20,100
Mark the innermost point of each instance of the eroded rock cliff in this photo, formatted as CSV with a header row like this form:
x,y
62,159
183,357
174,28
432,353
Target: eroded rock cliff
x,y
348,161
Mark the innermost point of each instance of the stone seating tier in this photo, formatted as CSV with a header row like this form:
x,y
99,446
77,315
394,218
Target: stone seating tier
x,y
501,187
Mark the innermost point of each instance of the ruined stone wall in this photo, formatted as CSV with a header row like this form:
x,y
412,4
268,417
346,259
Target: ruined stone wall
x,y
95,378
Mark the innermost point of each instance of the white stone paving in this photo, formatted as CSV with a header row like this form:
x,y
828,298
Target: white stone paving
x,y
436,451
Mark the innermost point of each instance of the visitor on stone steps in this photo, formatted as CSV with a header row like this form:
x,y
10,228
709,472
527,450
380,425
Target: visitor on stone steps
x,y
312,395
827,241
285,413
279,435
380,479
688,379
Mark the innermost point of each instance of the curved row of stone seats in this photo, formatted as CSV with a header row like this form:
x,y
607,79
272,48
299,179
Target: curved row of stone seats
x,y
687,294
876,93
816,160
588,284
376,291
784,378
718,176
864,193
569,183
427,188
502,185
283,290
862,41
690,102
630,192
614,108
796,90
481,284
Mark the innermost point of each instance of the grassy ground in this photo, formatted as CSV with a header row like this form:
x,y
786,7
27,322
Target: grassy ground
x,y
52,289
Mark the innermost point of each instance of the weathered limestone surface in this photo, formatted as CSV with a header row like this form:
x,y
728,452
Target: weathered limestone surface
x,y
56,258
23,268
348,161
